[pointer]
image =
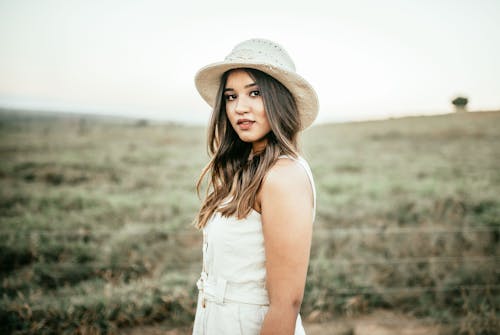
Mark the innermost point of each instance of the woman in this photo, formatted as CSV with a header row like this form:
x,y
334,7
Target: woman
x,y
259,208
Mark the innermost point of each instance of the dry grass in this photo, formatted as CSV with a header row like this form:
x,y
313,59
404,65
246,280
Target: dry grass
x,y
95,217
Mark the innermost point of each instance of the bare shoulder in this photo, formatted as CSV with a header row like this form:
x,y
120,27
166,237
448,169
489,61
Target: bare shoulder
x,y
285,184
286,175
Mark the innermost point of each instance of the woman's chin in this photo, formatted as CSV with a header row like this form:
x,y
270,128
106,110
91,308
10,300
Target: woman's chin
x,y
247,137
258,143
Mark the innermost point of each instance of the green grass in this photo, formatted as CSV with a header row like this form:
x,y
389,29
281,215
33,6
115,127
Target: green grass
x,y
96,214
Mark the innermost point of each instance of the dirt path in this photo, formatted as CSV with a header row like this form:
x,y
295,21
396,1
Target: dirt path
x,y
380,322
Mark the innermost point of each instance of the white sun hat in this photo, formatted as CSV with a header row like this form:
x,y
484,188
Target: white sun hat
x,y
268,57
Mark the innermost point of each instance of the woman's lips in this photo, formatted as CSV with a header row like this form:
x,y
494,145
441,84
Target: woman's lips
x,y
245,124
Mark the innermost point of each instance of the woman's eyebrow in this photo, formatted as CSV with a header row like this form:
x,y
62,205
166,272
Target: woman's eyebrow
x,y
246,86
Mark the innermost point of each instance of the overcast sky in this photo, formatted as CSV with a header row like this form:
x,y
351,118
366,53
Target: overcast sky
x,y
366,59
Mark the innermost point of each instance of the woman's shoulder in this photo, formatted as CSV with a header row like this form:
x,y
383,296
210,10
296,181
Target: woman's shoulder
x,y
289,182
298,162
288,173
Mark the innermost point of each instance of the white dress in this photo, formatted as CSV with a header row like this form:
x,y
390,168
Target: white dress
x,y
233,297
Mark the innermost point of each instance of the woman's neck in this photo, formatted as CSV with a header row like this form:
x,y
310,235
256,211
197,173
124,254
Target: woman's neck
x,y
258,146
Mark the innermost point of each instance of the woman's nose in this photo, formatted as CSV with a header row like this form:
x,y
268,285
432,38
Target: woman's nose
x,y
242,106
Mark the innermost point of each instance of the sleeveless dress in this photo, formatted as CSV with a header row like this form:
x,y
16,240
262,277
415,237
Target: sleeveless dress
x,y
232,297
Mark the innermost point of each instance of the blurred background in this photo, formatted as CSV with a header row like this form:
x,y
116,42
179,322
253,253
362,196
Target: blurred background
x,y
102,139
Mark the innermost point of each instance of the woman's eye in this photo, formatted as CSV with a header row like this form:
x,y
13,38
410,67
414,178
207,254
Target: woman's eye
x,y
230,97
254,93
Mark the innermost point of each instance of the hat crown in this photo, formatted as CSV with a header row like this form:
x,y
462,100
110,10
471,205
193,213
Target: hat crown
x,y
261,51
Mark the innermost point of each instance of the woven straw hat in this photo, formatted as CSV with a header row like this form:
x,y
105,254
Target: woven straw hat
x,y
268,57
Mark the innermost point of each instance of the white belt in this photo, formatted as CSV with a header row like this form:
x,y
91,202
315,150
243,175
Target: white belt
x,y
219,290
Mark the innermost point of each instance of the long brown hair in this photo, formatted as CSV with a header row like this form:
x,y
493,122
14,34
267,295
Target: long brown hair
x,y
234,178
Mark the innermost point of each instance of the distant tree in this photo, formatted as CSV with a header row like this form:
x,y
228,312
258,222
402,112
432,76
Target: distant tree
x,y
460,104
141,123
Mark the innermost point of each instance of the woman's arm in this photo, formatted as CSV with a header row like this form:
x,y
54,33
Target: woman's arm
x,y
286,201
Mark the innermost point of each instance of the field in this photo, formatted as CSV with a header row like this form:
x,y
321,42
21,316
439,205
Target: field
x,y
96,234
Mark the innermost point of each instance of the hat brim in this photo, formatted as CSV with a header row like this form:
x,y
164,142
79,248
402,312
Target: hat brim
x,y
207,81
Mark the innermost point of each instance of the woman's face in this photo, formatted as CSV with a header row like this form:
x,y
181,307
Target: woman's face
x,y
245,109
